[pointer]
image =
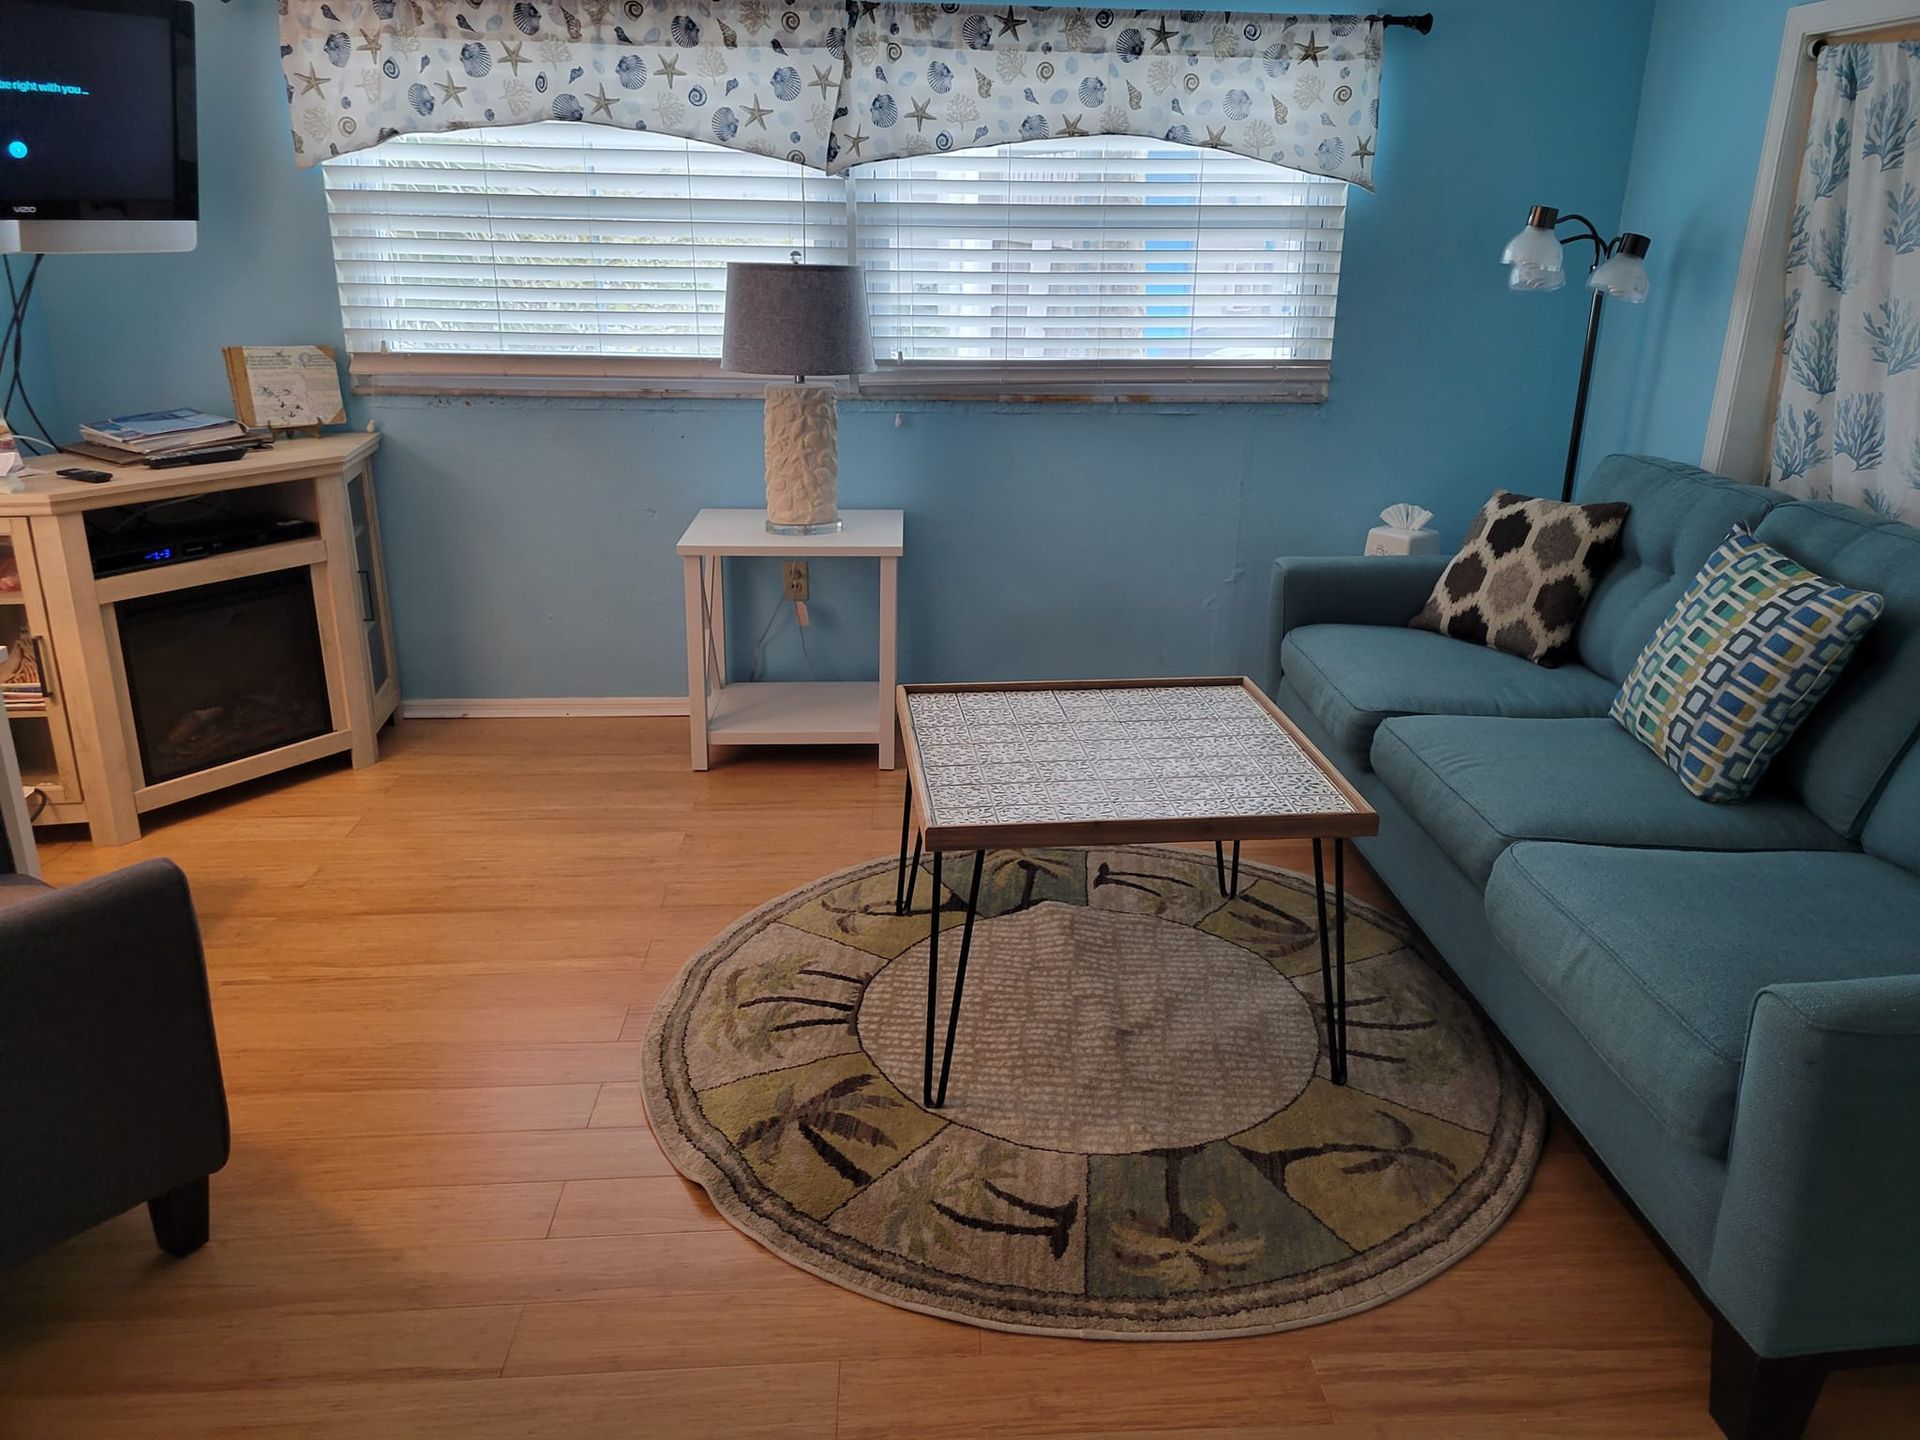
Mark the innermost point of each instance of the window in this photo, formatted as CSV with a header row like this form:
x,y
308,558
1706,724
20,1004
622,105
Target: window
x,y
582,258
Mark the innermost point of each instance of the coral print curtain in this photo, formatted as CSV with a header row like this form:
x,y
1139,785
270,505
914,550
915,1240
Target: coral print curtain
x,y
1847,425
833,85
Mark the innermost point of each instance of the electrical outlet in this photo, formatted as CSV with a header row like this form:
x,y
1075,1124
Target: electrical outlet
x,y
796,575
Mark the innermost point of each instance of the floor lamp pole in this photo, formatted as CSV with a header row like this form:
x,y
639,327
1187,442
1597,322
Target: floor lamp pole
x,y
1580,399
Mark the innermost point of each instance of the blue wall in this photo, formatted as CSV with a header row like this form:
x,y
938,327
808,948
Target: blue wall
x,y
531,542
1695,158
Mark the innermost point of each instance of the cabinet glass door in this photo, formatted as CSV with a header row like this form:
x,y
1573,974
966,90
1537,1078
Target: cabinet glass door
x,y
29,688
24,687
20,687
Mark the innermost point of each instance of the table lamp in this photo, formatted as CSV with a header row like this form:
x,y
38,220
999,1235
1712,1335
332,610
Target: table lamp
x,y
1535,261
798,320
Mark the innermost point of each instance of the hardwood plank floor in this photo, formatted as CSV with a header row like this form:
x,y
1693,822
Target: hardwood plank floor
x,y
445,1214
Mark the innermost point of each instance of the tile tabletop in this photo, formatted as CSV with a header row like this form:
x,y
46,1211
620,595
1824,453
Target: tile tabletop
x,y
1074,755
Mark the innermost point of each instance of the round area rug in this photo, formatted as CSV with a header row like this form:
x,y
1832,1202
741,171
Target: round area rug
x,y
1140,1138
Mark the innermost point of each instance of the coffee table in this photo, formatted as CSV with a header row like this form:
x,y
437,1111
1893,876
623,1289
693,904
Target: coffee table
x,y
1116,762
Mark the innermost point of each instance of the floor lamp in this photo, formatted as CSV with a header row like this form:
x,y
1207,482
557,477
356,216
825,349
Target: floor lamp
x,y
1536,261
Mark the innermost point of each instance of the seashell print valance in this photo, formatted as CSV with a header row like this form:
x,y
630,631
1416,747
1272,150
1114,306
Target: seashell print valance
x,y
758,75
1297,90
831,85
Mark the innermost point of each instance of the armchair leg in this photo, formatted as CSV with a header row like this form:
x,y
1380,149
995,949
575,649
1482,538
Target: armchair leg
x,y
180,1218
1759,1397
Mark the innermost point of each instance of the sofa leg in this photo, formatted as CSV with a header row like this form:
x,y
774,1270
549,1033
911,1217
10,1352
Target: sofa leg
x,y
1759,1397
180,1218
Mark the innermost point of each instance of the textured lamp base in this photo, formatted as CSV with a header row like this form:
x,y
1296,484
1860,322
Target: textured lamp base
x,y
803,460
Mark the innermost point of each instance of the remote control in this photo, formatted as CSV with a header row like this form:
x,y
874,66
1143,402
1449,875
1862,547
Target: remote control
x,y
88,477
198,457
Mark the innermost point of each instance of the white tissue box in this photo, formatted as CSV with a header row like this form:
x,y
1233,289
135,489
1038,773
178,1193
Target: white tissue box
x,y
1391,540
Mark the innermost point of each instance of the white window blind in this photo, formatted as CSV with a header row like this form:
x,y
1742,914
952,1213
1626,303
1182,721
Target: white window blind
x,y
1061,267
1104,249
561,239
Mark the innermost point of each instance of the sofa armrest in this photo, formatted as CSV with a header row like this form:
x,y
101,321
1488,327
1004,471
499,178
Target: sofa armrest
x,y
1816,1247
110,1086
1348,590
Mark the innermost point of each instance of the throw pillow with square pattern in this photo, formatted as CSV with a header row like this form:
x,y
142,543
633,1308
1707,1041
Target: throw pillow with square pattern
x,y
1739,663
1523,575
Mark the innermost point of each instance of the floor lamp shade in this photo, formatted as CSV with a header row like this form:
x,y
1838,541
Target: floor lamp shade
x,y
799,320
1535,262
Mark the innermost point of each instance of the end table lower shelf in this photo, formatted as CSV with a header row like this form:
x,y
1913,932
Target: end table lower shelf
x,y
802,712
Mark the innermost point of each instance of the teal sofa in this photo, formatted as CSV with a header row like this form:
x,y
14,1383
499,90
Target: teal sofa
x,y
1723,999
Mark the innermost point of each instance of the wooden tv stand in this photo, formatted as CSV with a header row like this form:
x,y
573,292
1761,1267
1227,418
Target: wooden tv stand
x,y
78,747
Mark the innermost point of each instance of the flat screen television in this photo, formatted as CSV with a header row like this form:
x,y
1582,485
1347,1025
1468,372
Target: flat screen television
x,y
97,142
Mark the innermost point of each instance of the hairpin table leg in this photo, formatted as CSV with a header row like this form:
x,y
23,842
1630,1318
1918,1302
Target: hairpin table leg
x,y
1333,956
1228,888
960,978
933,985
1340,952
902,887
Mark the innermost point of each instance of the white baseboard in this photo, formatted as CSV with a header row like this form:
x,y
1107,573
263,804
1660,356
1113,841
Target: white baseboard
x,y
540,707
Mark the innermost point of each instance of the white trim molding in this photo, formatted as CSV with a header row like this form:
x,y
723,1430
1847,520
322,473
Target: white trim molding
x,y
1737,425
1269,382
545,707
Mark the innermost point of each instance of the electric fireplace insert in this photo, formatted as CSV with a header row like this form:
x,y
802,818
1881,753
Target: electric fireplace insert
x,y
220,672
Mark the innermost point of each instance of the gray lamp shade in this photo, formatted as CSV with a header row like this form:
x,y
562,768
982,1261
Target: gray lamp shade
x,y
796,320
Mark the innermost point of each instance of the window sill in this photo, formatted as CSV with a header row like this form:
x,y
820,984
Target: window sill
x,y
582,377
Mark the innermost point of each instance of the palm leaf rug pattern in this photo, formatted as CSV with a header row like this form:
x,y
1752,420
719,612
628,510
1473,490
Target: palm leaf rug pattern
x,y
1142,1136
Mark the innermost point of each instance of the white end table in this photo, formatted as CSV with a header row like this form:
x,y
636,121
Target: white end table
x,y
811,712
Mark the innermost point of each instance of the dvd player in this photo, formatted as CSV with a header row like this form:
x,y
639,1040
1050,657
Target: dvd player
x,y
145,545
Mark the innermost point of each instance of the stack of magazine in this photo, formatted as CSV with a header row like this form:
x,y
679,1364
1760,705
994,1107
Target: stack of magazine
x,y
158,435
20,684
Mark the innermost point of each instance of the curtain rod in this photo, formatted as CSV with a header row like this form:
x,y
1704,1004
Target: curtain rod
x,y
1897,30
1420,24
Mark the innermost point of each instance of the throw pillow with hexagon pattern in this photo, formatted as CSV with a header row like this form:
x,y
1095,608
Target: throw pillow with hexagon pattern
x,y
1523,575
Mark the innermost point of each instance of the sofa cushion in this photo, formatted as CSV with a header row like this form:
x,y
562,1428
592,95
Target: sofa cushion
x,y
1678,514
1893,827
1656,957
1755,643
1354,676
1848,747
1477,784
1523,576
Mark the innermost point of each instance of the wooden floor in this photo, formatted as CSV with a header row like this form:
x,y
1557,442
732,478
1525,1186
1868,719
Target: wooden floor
x,y
445,1214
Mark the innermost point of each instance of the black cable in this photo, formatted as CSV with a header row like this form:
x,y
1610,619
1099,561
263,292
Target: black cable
x,y
22,299
12,347
14,322
32,413
6,338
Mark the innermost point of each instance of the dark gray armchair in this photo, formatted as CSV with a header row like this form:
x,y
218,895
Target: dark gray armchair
x,y
110,1089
